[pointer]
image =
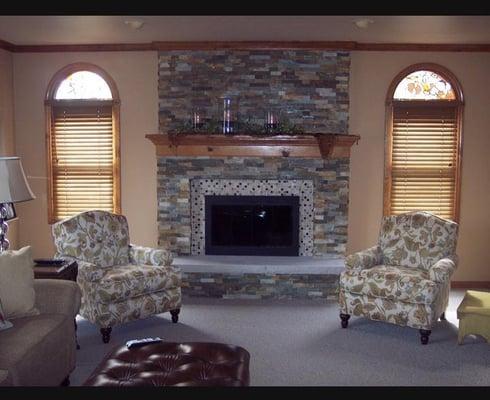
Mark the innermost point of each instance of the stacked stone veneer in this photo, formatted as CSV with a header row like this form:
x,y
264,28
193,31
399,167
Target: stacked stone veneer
x,y
330,179
261,286
309,87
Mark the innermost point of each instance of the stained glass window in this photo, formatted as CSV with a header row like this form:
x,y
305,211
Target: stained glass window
x,y
82,113
83,85
424,85
422,171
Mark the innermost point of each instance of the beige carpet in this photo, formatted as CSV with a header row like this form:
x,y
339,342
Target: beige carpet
x,y
298,343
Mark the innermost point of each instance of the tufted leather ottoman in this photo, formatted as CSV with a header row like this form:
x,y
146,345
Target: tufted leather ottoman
x,y
173,364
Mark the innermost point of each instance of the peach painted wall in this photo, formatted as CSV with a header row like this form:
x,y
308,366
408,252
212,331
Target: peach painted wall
x,y
135,74
371,74
7,137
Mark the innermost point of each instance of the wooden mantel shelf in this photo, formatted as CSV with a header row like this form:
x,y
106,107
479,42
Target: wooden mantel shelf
x,y
323,145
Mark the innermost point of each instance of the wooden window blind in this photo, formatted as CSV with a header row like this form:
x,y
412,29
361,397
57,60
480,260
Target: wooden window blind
x,y
424,158
83,161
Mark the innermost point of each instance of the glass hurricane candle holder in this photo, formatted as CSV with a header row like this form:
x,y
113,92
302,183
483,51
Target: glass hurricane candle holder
x,y
271,120
229,114
197,118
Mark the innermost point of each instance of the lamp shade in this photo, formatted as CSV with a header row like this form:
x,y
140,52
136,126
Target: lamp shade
x,y
13,183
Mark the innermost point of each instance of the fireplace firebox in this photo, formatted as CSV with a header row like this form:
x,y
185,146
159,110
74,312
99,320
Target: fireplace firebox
x,y
252,225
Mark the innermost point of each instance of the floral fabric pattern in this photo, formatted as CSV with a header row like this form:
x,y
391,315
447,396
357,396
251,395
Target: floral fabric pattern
x,y
99,237
442,270
127,281
419,316
405,280
120,282
417,239
110,314
393,283
149,256
364,259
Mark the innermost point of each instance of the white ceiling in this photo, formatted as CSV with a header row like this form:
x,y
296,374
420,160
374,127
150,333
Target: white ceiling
x,y
49,30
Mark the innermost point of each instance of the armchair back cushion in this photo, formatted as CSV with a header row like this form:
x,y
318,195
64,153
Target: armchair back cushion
x,y
418,239
98,237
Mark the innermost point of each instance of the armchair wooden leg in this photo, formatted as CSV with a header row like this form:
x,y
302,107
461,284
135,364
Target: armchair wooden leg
x,y
106,334
175,315
424,335
443,316
76,337
345,320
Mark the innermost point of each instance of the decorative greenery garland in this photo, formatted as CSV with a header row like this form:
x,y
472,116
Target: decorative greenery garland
x,y
248,127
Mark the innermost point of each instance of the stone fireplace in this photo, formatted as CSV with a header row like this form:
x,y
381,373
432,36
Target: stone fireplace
x,y
312,171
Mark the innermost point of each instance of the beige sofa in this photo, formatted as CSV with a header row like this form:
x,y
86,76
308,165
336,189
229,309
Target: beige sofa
x,y
40,350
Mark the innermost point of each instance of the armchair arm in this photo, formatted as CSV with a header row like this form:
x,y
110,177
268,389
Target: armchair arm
x,y
364,259
55,296
149,256
442,270
86,270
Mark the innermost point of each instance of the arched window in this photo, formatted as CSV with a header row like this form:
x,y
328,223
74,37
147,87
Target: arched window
x,y
82,112
423,142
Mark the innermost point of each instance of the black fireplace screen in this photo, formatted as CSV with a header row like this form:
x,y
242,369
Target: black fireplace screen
x,y
252,225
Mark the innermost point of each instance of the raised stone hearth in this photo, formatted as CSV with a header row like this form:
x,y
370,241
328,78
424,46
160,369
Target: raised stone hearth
x,y
246,277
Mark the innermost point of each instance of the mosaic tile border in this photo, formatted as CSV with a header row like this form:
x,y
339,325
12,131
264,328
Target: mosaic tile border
x,y
252,187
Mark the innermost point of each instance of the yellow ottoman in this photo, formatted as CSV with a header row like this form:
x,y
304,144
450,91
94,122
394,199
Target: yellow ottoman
x,y
474,315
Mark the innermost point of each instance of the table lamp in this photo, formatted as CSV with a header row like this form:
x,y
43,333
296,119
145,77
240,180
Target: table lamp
x,y
13,189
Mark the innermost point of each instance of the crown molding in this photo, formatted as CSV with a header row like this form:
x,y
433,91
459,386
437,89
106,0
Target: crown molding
x,y
247,45
451,47
256,45
63,48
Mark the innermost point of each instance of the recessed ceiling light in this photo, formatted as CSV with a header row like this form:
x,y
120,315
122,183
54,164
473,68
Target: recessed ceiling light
x,y
363,23
134,23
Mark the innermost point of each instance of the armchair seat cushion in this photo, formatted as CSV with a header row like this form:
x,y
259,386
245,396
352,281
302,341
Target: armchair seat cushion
x,y
406,284
123,282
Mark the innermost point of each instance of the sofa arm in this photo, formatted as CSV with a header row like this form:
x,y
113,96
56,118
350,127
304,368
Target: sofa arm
x,y
364,259
56,296
149,256
5,378
442,270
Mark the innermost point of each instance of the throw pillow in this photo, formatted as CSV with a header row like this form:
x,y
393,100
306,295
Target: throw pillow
x,y
4,324
17,283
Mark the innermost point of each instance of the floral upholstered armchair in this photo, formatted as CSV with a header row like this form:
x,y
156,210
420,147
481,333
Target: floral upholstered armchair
x,y
404,279
120,282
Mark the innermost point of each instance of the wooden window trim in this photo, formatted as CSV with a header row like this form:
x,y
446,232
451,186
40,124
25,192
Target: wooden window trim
x,y
50,102
390,102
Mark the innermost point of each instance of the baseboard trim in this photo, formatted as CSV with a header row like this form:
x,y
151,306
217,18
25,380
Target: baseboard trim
x,y
470,284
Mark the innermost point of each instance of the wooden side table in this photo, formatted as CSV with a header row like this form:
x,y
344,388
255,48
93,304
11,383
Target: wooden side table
x,y
67,271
